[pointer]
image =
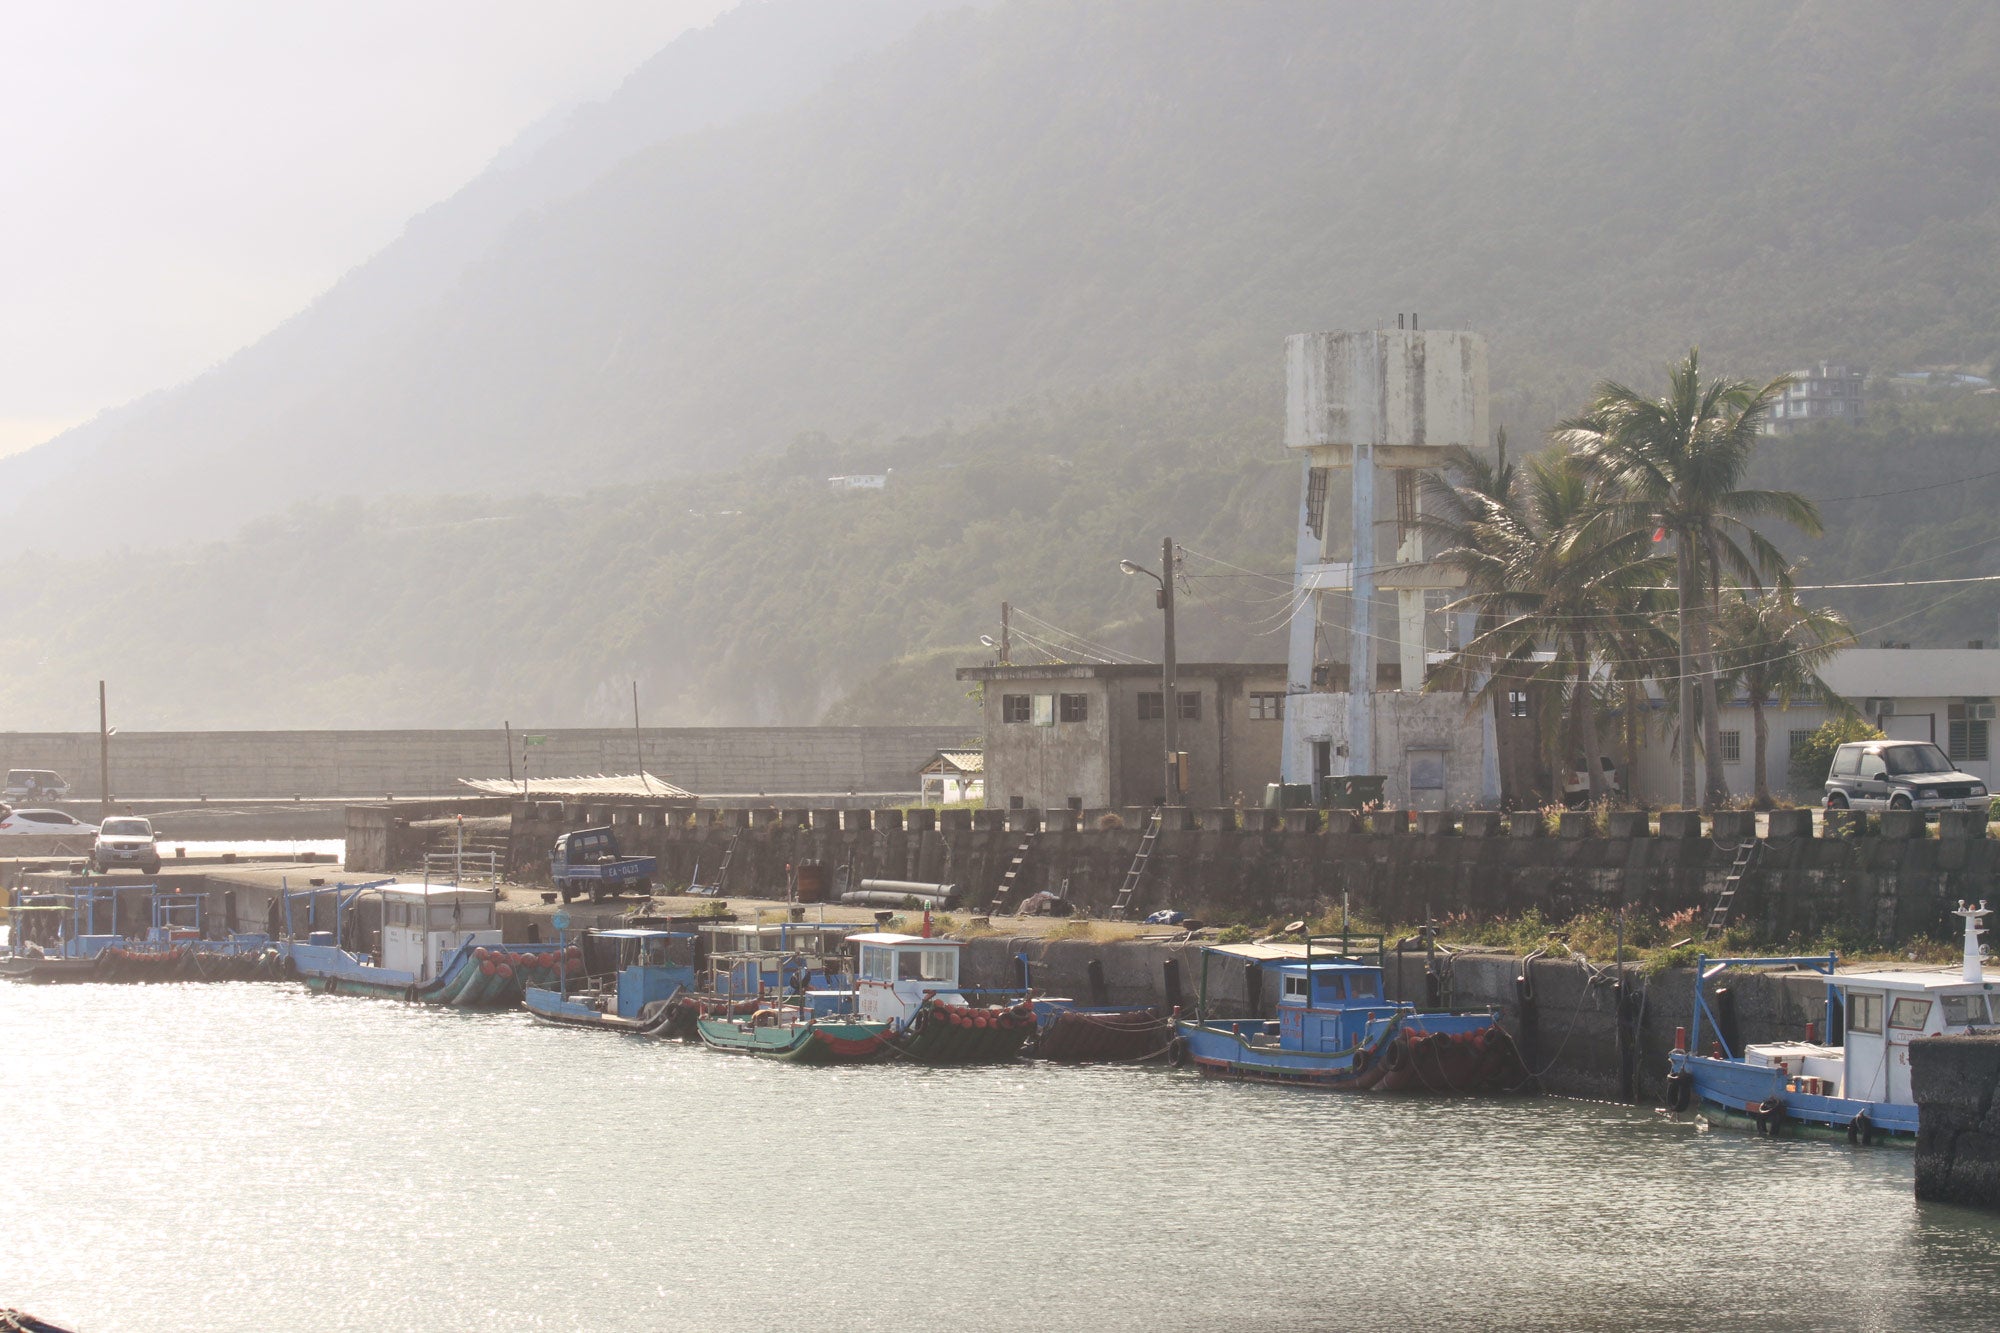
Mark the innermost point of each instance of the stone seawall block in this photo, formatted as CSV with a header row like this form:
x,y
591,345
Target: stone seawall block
x,y
1575,824
1525,824
1962,824
1631,824
1437,823
1902,824
1060,821
1790,824
1956,1081
1681,824
920,821
1480,823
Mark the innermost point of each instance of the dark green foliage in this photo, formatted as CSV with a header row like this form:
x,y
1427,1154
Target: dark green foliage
x,y
1811,760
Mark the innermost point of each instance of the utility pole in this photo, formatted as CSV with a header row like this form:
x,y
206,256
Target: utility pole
x,y
639,741
1169,676
103,755
1006,631
509,726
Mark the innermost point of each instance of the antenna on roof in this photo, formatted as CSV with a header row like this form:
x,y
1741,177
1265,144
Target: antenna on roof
x,y
1974,953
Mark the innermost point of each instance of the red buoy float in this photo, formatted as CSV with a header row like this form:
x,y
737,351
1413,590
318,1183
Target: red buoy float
x,y
486,967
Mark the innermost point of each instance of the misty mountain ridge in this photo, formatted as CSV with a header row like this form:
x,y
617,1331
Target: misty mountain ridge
x,y
1045,194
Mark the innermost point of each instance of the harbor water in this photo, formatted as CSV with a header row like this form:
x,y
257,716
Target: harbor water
x,y
249,1156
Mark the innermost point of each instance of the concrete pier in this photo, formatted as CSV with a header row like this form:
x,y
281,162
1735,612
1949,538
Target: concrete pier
x,y
1955,1080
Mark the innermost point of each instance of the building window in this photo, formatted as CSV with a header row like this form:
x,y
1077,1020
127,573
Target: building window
x,y
1190,707
1075,708
1267,707
1517,703
1152,705
1732,747
1965,731
1045,710
1015,803
1864,1013
1015,708
1797,740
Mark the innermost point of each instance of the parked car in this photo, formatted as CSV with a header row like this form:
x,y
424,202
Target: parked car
x,y
1576,784
34,784
126,840
48,823
1899,775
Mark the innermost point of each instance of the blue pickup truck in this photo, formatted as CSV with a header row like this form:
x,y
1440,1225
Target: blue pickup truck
x,y
586,860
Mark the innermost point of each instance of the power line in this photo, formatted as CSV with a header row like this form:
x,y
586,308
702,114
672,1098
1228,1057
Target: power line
x,y
1911,490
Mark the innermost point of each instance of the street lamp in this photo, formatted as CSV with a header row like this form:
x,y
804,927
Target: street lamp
x,y
1169,682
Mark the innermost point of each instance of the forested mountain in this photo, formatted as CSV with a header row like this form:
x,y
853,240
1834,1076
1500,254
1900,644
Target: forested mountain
x,y
1038,257
1045,195
762,595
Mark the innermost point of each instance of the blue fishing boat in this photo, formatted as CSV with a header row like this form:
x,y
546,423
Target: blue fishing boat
x,y
1335,1030
73,935
438,945
910,983
1856,1087
632,982
798,960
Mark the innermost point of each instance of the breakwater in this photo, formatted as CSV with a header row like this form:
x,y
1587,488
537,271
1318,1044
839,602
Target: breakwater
x,y
1894,883
1956,1081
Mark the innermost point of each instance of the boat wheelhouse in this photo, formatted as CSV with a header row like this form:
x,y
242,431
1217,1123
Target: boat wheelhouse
x,y
1857,1086
753,960
438,944
1335,1029
624,980
911,982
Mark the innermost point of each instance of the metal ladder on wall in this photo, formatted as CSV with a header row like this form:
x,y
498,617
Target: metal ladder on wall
x,y
1138,869
714,890
1011,878
1718,915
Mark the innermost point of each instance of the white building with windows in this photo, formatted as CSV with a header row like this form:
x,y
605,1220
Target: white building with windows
x,y
1943,695
1827,392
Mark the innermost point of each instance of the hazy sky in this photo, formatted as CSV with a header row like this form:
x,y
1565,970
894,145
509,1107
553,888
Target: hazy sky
x,y
180,175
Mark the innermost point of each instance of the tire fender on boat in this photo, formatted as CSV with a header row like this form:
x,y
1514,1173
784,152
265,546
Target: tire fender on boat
x,y
1177,1052
1680,1090
1861,1130
1770,1114
1395,1055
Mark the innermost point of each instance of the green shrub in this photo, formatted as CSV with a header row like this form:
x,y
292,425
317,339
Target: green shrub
x,y
1811,760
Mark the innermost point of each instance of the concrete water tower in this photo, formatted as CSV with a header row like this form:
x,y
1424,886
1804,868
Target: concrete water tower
x,y
1368,413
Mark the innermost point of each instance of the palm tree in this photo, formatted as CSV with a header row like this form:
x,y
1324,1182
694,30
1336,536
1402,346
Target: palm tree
x,y
1551,571
1774,648
1677,465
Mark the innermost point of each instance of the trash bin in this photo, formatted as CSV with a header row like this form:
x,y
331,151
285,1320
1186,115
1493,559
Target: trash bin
x,y
1287,795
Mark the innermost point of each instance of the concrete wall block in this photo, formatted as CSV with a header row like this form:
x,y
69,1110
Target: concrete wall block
x,y
920,821
1024,821
857,821
1524,824
1181,819
1902,824
1734,826
989,819
1340,823
1389,822
1576,824
1790,824
1682,824
1962,824
1061,821
1437,823
1301,821
1480,823
1630,824
955,820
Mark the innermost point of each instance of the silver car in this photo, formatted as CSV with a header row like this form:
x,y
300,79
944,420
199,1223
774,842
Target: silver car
x,y
126,841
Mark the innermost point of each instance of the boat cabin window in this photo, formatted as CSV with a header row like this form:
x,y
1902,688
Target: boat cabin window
x,y
1332,986
927,965
1965,1011
1295,986
875,965
395,914
1864,1013
1909,1012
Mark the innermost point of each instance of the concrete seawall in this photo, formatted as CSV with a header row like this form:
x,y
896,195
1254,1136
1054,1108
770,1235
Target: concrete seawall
x,y
1228,865
1956,1080
186,764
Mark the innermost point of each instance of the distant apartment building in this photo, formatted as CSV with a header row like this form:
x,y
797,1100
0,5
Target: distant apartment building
x,y
1817,395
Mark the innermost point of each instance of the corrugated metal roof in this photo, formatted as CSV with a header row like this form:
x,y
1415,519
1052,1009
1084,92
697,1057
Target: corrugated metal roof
x,y
965,761
600,784
1913,673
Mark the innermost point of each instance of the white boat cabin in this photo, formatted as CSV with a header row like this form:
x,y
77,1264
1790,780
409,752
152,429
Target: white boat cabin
x,y
893,974
424,924
1883,1012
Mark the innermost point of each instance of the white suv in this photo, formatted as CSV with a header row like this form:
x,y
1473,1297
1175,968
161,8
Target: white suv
x,y
126,840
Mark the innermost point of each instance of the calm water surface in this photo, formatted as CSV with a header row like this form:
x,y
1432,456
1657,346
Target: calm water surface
x,y
252,1157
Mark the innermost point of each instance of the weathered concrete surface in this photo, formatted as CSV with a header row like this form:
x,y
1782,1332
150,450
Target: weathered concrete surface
x,y
185,764
1230,865
1958,1122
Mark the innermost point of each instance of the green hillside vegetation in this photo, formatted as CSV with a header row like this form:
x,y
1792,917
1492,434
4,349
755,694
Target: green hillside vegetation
x,y
761,596
1048,196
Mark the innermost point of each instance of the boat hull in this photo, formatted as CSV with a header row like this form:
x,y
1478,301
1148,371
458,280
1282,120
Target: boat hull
x,y
1739,1095
952,1034
1481,1061
1104,1036
467,981
815,1041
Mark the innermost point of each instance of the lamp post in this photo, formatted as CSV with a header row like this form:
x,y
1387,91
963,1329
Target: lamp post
x,y
1169,680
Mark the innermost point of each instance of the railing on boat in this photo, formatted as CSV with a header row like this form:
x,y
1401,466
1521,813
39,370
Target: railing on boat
x,y
1706,969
